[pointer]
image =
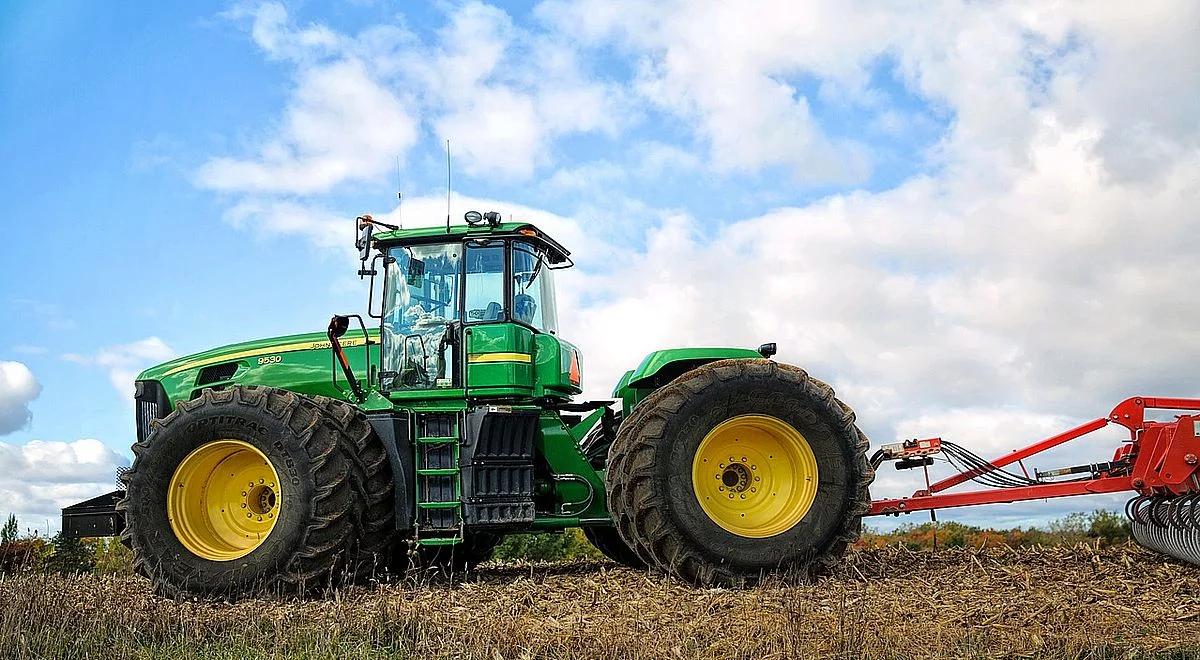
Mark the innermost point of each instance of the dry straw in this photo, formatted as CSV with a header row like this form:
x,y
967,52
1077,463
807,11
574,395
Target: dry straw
x,y
1064,602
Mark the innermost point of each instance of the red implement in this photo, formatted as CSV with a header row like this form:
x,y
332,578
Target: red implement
x,y
1159,461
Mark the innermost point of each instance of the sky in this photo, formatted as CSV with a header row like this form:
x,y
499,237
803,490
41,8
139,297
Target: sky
x,y
975,220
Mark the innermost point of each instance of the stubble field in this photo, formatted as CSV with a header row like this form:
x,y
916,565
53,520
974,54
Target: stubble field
x,y
1062,602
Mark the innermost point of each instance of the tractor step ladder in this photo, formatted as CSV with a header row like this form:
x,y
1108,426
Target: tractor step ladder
x,y
438,489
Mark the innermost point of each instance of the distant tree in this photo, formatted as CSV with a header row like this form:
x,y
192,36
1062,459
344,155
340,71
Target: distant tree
x,y
70,555
9,532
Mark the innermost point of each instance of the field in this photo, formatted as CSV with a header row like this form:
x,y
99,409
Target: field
x,y
1083,601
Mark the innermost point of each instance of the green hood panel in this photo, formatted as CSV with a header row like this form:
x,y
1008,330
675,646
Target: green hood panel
x,y
302,363
258,347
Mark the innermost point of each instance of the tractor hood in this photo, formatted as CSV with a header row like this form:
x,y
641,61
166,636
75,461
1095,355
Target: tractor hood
x,y
298,363
249,350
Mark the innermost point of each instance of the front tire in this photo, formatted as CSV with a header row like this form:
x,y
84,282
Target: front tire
x,y
373,485
204,515
739,468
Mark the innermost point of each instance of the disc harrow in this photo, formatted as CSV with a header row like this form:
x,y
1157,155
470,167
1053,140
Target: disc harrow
x,y
1170,525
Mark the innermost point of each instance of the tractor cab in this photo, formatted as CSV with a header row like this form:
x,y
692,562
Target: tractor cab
x,y
471,307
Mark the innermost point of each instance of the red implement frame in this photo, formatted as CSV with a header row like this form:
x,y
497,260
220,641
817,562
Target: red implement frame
x,y
1163,458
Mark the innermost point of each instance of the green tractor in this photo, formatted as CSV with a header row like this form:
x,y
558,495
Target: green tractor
x,y
310,461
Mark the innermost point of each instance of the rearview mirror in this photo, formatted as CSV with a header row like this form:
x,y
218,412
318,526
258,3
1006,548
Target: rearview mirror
x,y
365,231
338,325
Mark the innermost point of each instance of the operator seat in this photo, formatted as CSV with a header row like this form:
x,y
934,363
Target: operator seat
x,y
524,308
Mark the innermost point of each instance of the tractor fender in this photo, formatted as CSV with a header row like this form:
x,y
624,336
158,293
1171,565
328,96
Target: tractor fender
x,y
663,366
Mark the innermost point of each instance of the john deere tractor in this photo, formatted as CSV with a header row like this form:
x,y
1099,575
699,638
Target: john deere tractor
x,y
310,461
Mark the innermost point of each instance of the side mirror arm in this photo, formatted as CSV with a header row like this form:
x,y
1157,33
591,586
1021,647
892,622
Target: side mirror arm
x,y
337,327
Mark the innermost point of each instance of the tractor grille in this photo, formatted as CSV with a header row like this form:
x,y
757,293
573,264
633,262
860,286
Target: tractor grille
x,y
150,404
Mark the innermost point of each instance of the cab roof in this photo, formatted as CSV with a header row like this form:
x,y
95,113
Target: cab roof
x,y
524,230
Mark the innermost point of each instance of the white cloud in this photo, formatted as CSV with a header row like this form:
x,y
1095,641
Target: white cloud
x,y
271,217
39,478
736,72
123,362
18,388
340,125
501,94
506,100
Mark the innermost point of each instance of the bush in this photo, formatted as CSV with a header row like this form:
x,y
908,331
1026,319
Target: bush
x,y
1106,527
22,555
109,557
549,546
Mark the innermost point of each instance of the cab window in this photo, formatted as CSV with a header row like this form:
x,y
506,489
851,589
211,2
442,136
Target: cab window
x,y
533,289
485,283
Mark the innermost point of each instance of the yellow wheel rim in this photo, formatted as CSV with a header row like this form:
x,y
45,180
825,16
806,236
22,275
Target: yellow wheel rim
x,y
224,500
755,475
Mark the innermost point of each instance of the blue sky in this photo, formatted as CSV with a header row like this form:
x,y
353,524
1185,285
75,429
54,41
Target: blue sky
x,y
931,212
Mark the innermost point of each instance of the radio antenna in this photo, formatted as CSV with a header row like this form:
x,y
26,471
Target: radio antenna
x,y
399,195
447,186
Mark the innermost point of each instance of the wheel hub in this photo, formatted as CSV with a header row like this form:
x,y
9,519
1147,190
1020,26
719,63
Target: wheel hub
x,y
224,500
755,475
736,477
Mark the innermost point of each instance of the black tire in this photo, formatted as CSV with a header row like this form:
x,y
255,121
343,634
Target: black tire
x,y
305,552
371,479
609,542
656,509
616,488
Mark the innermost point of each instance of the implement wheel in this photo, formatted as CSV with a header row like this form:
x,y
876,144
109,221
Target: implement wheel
x,y
739,468
241,491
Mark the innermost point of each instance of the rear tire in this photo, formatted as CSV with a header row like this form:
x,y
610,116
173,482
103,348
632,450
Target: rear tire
x,y
610,544
306,548
818,467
